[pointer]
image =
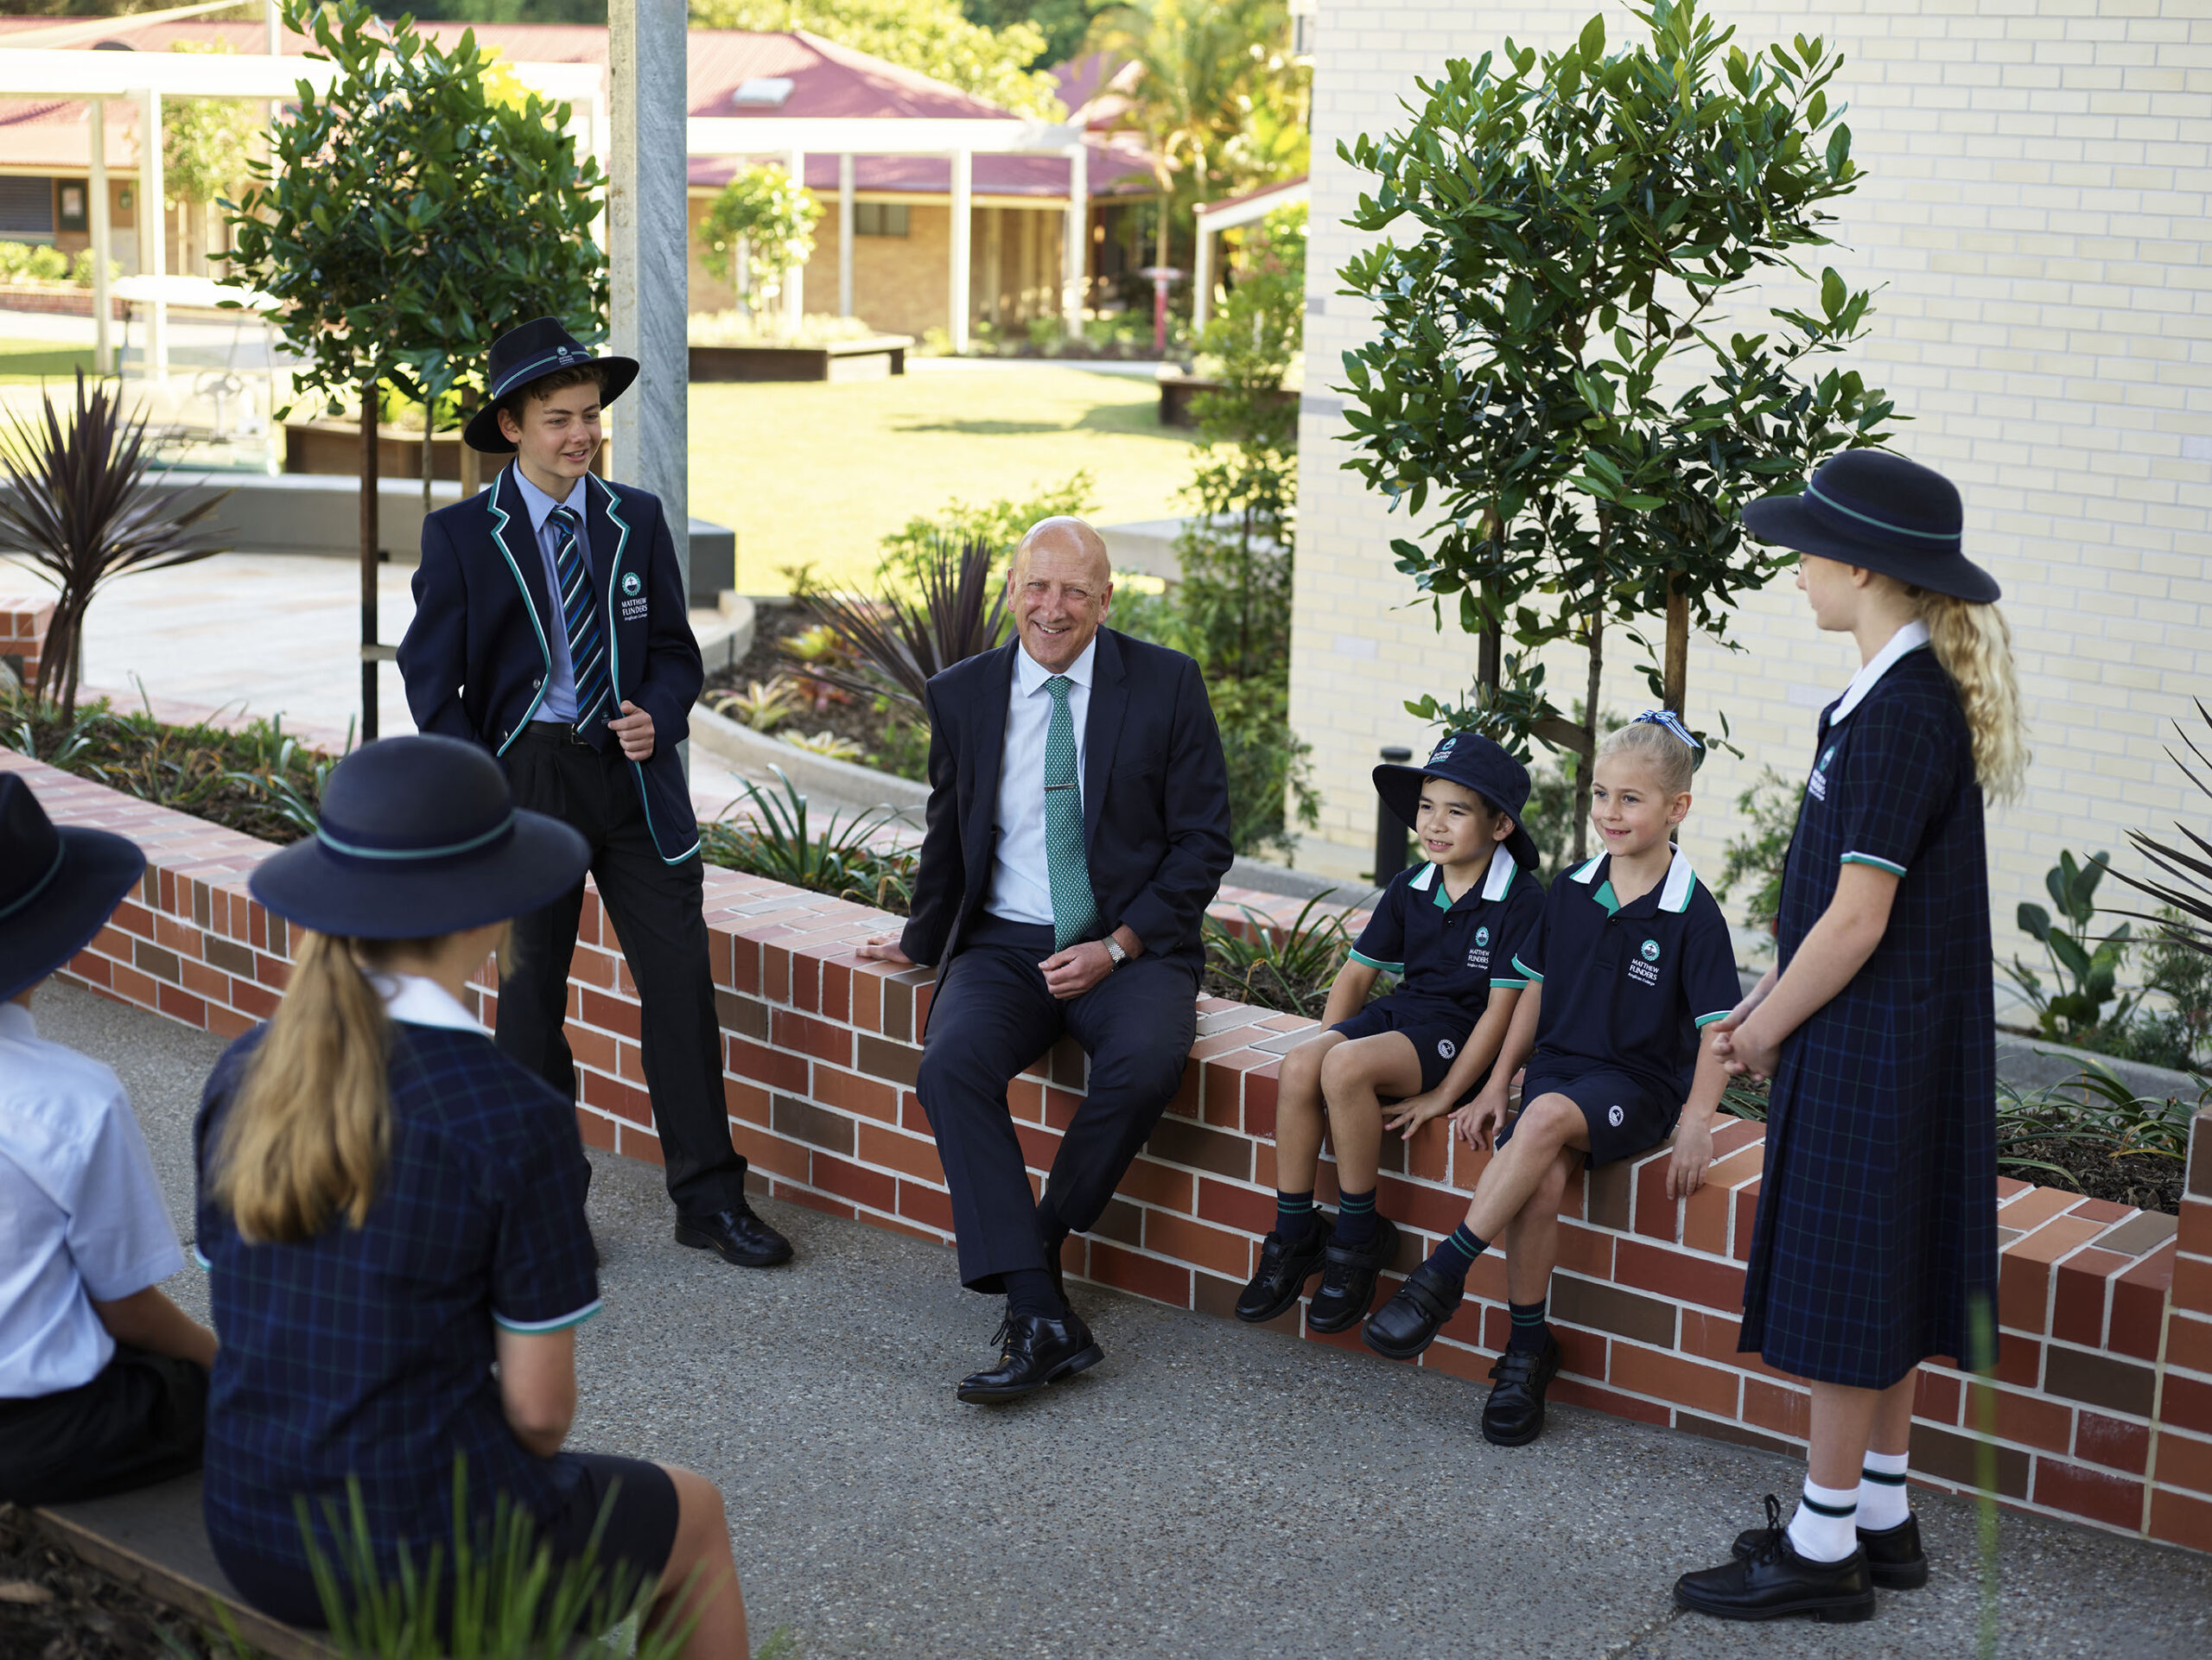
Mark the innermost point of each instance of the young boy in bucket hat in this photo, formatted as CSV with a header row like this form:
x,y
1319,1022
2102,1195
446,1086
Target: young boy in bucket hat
x,y
103,1379
551,626
1448,929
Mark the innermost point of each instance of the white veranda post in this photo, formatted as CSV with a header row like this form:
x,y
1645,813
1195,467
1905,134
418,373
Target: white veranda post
x,y
153,222
96,220
1077,256
964,196
845,217
795,279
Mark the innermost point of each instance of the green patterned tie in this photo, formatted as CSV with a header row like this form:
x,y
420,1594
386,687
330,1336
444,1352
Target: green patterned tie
x,y
1074,908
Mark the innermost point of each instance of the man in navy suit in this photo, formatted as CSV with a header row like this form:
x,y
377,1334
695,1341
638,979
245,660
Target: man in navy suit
x,y
551,626
1078,828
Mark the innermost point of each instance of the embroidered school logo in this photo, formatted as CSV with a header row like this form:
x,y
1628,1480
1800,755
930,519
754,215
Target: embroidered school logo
x,y
1817,785
1646,971
1446,1048
630,583
1482,936
1651,950
1443,751
1613,1116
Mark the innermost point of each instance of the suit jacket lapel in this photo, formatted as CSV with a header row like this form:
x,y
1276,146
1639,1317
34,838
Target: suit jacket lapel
x,y
991,751
1102,729
513,535
601,536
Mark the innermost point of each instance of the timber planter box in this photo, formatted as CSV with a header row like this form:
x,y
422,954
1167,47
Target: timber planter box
x,y
876,358
1178,391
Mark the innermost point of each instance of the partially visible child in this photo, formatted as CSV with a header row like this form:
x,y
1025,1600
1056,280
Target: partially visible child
x,y
1630,961
103,1379
1448,928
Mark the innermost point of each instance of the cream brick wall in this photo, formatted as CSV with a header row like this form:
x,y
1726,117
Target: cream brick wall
x,y
2035,213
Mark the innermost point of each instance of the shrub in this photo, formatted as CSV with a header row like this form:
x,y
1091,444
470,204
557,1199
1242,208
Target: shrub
x,y
1275,967
1771,805
2086,968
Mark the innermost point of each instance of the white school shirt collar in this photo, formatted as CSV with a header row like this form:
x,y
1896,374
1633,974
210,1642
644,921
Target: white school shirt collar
x,y
1029,674
1674,894
539,505
1502,872
420,1001
1911,637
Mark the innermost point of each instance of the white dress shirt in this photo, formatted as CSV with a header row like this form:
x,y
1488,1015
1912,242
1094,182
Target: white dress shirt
x,y
1021,880
82,1219
560,703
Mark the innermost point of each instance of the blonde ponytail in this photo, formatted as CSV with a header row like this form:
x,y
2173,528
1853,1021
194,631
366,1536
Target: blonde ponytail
x,y
308,1134
1974,647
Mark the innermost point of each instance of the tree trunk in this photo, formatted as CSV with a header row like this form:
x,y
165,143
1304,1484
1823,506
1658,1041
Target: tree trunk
x,y
1588,766
1489,646
430,441
471,463
368,557
1677,676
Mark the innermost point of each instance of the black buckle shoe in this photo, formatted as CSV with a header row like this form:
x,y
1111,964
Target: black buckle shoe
x,y
736,1236
1348,1280
1284,1270
1774,1583
1408,1323
1513,1415
1036,1352
1895,1560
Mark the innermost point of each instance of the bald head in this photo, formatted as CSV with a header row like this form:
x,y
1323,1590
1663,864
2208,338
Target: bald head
x,y
1059,586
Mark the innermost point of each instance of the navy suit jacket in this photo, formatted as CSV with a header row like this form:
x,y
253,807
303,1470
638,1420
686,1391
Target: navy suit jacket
x,y
1155,797
476,658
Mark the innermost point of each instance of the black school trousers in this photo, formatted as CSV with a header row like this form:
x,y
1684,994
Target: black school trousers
x,y
655,908
141,1420
990,1019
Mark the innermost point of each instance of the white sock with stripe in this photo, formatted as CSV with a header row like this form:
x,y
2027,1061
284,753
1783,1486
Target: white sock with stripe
x,y
1825,1527
1882,1501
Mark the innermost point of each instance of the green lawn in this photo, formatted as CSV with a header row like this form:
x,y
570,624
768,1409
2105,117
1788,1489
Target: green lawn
x,y
32,360
821,473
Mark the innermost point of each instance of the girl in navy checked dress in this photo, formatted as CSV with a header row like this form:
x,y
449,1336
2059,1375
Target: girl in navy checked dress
x,y
1875,1247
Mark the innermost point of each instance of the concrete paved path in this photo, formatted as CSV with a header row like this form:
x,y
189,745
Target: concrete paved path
x,y
1209,1490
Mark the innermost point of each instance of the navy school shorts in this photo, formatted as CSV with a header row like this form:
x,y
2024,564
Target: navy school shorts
x,y
1437,1032
1625,1117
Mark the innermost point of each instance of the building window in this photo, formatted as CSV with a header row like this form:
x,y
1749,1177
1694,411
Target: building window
x,y
27,209
75,214
878,219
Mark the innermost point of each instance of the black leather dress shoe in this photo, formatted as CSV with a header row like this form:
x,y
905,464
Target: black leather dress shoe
x,y
1348,1279
735,1236
1894,1557
1774,1582
1513,1415
1408,1323
1284,1270
1036,1352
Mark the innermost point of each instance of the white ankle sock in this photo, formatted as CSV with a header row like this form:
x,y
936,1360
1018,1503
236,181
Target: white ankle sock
x,y
1824,1529
1882,1501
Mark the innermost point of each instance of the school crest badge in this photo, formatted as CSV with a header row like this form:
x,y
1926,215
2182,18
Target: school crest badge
x,y
1613,1116
630,583
1481,937
1446,1048
1651,950
1817,785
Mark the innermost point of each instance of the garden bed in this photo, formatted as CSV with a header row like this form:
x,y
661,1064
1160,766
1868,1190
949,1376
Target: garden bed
x,y
881,735
876,357
55,1605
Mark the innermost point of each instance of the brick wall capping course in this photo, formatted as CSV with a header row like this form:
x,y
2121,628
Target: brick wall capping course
x,y
1649,1294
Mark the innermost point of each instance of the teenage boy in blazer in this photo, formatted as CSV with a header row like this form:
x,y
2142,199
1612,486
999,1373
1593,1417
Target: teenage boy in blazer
x,y
551,626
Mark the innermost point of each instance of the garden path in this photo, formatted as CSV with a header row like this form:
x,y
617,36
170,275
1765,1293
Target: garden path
x,y
1209,1490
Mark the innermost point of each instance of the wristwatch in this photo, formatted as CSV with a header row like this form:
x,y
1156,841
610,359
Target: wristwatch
x,y
1113,950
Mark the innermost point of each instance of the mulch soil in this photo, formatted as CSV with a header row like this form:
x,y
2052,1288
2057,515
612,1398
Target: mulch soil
x,y
54,1606
840,712
2143,1180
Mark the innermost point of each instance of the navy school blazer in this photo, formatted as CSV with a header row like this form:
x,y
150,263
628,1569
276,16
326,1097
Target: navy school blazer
x,y
1155,797
476,658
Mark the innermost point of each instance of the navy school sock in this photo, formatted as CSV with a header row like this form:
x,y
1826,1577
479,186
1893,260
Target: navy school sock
x,y
1029,1291
1530,1329
1457,1255
1295,1217
1355,1217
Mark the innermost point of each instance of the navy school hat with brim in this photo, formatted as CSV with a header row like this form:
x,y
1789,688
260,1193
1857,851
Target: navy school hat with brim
x,y
1480,765
419,837
521,355
1880,511
58,885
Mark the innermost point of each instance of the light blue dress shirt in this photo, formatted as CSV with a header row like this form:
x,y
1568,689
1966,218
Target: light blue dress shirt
x,y
560,704
1021,876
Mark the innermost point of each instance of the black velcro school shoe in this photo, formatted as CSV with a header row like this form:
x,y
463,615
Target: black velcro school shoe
x,y
1284,1270
1894,1557
736,1236
1408,1323
1774,1583
1036,1352
1513,1415
1348,1280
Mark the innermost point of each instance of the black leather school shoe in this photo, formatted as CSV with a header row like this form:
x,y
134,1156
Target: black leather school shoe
x,y
1513,1415
1408,1323
1284,1270
1037,1351
735,1236
1348,1280
1895,1560
1774,1582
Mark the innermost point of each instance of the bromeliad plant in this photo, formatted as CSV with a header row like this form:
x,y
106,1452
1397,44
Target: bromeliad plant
x,y
1273,967
770,833
2084,971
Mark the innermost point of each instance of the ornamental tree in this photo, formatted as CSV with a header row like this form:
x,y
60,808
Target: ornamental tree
x,y
1554,363
770,216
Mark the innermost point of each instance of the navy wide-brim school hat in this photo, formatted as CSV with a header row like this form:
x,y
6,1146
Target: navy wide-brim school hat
x,y
58,886
419,837
541,347
1469,758
1866,507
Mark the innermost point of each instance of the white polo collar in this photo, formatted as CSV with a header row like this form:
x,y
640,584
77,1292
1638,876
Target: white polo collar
x,y
1502,869
420,1001
1911,637
1674,892
16,1022
1029,675
538,505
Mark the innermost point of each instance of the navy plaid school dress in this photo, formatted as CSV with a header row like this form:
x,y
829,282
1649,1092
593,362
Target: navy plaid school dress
x,y
1876,1243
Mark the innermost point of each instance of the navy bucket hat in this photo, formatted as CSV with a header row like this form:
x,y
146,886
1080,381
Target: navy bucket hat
x,y
419,837
521,355
1468,759
58,886
1868,508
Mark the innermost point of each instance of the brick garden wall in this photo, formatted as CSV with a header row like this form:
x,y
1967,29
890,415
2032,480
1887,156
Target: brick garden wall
x,y
23,634
2102,1402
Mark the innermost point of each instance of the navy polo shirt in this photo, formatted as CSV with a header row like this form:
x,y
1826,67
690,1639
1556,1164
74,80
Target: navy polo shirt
x,y
1447,955
1628,986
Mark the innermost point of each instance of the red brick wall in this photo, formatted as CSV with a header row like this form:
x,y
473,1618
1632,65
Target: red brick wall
x,y
23,631
2102,1407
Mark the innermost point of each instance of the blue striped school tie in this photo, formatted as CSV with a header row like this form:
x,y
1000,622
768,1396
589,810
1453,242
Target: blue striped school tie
x,y
587,655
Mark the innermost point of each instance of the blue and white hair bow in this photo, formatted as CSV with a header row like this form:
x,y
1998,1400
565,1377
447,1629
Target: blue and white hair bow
x,y
1672,721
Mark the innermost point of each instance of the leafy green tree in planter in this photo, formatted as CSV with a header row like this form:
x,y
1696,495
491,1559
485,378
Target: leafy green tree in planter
x,y
407,218
1548,364
772,216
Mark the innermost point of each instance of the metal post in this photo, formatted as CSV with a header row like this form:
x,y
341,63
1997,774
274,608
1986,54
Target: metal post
x,y
646,236
1389,829
844,236
153,227
103,234
1076,262
1202,280
964,196
795,281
